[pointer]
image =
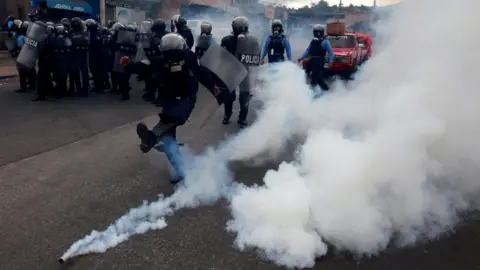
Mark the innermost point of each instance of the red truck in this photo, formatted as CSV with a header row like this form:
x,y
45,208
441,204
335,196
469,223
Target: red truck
x,y
349,54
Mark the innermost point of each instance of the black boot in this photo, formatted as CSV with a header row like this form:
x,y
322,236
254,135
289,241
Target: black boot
x,y
148,139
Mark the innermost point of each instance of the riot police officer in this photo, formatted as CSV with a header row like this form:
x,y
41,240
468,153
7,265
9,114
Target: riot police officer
x,y
79,57
95,56
66,24
159,29
62,47
112,47
14,42
28,78
249,55
204,40
106,64
180,25
9,24
315,52
146,50
277,44
123,41
179,72
46,65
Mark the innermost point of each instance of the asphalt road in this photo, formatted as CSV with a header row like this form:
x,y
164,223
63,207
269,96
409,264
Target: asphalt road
x,y
69,167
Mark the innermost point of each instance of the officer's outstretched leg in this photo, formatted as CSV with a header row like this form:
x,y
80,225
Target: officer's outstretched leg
x,y
165,133
172,151
244,100
228,106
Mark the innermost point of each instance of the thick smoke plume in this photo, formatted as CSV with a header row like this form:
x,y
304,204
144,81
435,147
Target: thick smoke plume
x,y
392,161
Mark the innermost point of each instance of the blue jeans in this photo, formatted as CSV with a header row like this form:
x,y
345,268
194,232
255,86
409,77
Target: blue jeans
x,y
172,151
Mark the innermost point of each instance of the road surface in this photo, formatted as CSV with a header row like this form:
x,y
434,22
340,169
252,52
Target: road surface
x,y
69,167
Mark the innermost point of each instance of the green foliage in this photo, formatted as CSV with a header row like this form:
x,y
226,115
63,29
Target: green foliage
x,y
321,7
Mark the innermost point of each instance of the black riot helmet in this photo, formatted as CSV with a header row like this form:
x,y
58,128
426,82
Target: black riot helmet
x,y
60,28
159,26
181,23
206,29
174,49
318,31
110,23
91,24
66,23
105,31
132,28
117,26
76,24
240,25
277,27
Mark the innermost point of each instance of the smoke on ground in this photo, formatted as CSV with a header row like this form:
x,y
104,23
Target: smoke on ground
x,y
393,161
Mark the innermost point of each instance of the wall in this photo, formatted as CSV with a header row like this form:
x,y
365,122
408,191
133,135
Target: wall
x,y
18,8
131,15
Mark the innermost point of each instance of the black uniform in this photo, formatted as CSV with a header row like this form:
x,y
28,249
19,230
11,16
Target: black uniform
x,y
46,65
62,46
152,78
79,57
180,74
106,57
95,56
122,48
230,44
185,32
27,79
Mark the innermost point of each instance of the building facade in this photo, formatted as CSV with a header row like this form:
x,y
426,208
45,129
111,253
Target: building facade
x,y
17,8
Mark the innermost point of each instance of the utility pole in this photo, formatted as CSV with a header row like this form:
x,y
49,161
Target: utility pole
x,y
103,20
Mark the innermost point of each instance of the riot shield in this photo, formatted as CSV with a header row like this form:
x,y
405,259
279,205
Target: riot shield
x,y
248,50
144,40
126,37
126,46
37,34
224,65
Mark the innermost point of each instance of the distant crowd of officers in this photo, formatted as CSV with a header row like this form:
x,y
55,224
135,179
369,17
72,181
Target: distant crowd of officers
x,y
79,57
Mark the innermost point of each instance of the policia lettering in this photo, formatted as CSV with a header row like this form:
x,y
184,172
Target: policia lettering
x,y
250,59
31,42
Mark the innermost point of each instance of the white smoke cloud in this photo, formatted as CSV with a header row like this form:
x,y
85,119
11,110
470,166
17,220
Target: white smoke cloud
x,y
393,160
390,159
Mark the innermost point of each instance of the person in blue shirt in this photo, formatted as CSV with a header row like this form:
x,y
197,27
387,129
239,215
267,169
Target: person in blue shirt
x,y
276,45
316,52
